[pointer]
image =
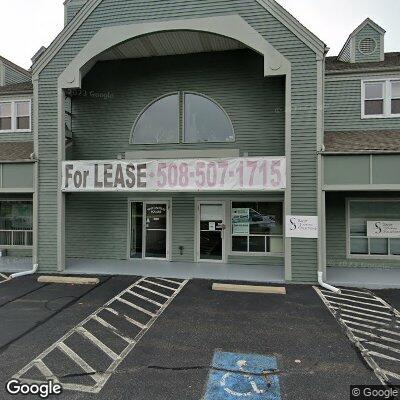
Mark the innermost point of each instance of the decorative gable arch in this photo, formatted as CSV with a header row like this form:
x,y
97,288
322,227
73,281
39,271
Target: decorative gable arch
x,y
232,27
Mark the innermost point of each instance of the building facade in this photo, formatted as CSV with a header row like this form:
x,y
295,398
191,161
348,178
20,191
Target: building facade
x,y
207,136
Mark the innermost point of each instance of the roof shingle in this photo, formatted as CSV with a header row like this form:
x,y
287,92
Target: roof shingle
x,y
17,88
359,141
15,151
392,60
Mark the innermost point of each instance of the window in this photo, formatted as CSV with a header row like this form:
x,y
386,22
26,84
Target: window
x,y
381,99
15,223
362,211
15,116
183,118
257,227
5,116
396,97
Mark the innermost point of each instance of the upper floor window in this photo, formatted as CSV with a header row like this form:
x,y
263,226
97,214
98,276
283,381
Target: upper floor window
x,y
15,116
183,117
381,99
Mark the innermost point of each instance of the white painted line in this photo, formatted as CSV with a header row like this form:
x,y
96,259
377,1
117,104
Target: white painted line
x,y
168,280
44,369
102,377
79,360
145,298
112,328
356,302
153,291
160,285
136,307
367,329
86,334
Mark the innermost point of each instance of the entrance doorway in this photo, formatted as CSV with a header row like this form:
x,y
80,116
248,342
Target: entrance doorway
x,y
149,230
211,231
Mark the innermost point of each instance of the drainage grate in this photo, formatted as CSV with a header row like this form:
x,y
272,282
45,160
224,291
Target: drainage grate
x,y
123,321
372,325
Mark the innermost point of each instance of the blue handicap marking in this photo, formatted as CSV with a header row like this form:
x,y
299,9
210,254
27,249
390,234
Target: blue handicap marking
x,y
242,376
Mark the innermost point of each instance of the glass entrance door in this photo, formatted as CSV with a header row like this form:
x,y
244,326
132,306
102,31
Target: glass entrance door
x,y
211,225
149,230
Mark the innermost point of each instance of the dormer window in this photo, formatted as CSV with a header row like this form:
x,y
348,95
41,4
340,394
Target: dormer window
x,y
380,98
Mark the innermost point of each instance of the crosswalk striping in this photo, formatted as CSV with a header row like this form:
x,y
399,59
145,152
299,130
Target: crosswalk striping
x,y
372,325
100,377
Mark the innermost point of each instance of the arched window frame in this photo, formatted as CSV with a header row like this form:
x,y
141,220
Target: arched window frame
x,y
132,138
181,115
184,93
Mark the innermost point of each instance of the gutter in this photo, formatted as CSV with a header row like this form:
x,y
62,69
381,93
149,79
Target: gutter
x,y
326,285
24,273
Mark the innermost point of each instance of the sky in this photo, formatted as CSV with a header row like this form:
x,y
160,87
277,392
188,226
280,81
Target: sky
x,y
29,24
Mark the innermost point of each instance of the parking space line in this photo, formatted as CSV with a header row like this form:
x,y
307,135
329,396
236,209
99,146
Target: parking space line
x,y
100,378
369,328
4,278
159,285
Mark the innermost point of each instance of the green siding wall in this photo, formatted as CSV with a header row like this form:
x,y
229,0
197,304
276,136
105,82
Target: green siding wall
x,y
343,107
97,226
72,8
336,231
102,126
368,32
304,102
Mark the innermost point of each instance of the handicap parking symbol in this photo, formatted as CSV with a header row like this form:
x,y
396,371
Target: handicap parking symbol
x,y
242,376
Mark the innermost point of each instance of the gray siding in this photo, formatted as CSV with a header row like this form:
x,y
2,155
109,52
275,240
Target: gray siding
x,y
336,232
368,32
72,8
102,127
97,226
13,76
304,88
343,107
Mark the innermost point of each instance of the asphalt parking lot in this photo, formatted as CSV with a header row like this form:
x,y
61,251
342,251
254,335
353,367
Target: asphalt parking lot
x,y
174,357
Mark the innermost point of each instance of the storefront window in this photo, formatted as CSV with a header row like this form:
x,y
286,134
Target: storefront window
x,y
257,227
15,223
363,211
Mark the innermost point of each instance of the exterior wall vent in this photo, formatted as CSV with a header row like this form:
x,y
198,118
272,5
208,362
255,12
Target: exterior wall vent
x,y
367,46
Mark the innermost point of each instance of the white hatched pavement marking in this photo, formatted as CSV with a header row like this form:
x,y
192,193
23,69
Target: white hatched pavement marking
x,y
4,278
100,378
364,327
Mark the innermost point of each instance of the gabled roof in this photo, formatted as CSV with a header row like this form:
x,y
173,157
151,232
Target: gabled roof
x,y
391,62
17,88
270,5
14,66
367,21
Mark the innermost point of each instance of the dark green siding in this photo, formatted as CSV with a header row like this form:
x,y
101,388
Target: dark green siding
x,y
13,76
97,226
370,33
336,231
343,107
304,105
102,125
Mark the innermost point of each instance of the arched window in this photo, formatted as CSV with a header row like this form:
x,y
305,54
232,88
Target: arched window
x,y
183,118
159,122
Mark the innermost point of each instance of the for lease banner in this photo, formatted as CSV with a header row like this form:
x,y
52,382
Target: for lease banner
x,y
191,175
383,229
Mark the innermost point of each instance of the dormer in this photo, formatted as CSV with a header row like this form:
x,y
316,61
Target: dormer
x,y
365,44
71,8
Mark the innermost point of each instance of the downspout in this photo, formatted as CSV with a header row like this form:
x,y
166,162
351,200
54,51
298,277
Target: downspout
x,y
24,273
321,198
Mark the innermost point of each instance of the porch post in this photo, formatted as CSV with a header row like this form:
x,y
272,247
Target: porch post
x,y
288,190
60,194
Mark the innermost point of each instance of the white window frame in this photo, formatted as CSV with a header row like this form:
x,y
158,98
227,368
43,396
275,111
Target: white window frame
x,y
14,116
387,98
253,253
348,237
